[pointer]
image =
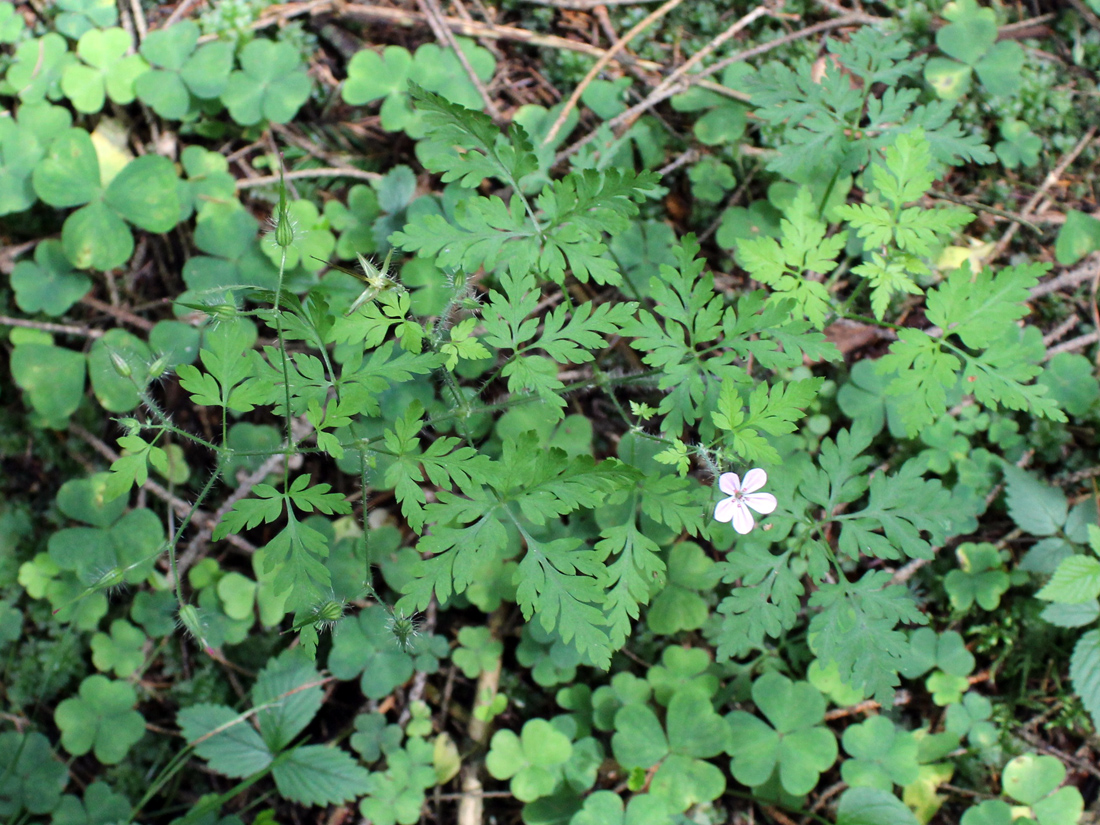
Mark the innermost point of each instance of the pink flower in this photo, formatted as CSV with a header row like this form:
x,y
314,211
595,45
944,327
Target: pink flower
x,y
741,497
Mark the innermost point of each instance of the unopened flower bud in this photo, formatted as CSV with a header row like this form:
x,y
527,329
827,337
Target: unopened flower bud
x,y
120,364
192,623
222,311
112,578
284,226
157,368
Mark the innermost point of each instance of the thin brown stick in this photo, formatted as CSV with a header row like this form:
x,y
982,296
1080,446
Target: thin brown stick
x,y
663,92
46,326
118,313
471,28
267,180
1073,345
586,5
1059,332
435,16
601,64
139,20
1048,182
1086,13
1084,271
178,12
194,547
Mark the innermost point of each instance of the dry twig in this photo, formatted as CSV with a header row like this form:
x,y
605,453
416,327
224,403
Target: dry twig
x,y
607,57
435,17
1040,193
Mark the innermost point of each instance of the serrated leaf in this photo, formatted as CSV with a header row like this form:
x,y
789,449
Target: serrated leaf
x,y
224,738
319,775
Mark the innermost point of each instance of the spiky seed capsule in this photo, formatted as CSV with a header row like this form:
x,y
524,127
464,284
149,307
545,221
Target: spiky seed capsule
x,y
404,629
328,613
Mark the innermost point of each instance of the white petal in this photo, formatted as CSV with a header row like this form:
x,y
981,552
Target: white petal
x,y
724,510
754,480
742,518
729,484
762,503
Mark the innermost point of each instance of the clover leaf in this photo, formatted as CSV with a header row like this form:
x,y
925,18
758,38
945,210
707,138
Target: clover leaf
x,y
23,142
396,795
478,651
373,736
155,611
11,24
96,236
354,221
1068,375
122,651
681,667
1018,144
271,84
552,661
227,233
533,761
80,16
882,755
948,654
52,379
365,644
679,606
181,71
625,689
102,718
99,806
208,182
982,578
114,390
31,778
970,40
695,732
107,70
972,31
725,120
971,718
1031,780
794,741
49,284
129,545
1079,236
38,65
372,76
606,808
